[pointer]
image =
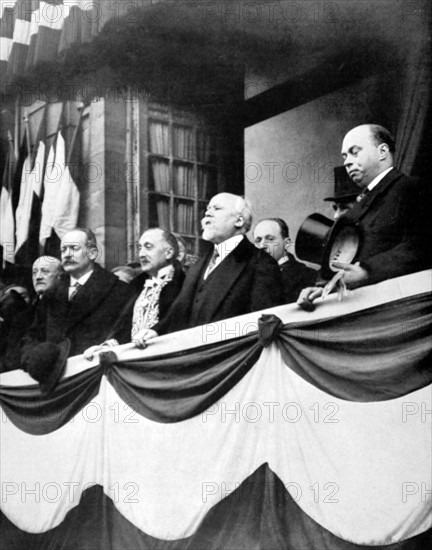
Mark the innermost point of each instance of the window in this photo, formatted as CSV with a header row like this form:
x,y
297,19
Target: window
x,y
182,172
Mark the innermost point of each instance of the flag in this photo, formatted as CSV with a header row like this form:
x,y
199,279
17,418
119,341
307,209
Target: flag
x,y
21,37
33,31
50,185
7,220
22,192
68,197
28,213
24,204
61,197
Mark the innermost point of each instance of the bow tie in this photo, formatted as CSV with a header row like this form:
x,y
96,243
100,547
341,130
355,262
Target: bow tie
x,y
151,283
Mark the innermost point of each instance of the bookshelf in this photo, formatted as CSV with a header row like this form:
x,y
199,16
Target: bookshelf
x,y
182,172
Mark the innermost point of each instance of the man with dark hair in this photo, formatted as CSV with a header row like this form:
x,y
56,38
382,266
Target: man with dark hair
x,y
272,235
232,279
84,305
392,212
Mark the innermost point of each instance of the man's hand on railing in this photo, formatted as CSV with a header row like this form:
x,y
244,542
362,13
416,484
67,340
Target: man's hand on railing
x,y
308,295
141,338
90,352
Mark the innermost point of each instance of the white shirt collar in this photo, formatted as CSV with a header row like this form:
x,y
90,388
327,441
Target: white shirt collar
x,y
226,247
378,178
82,280
283,260
163,272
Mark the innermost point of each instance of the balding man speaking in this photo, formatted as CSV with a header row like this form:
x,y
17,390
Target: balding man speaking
x,y
233,279
392,211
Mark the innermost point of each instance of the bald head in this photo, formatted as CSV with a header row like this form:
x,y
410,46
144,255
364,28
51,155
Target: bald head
x,y
45,273
226,215
367,151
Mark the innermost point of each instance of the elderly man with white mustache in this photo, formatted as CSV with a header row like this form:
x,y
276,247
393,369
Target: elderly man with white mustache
x,y
233,279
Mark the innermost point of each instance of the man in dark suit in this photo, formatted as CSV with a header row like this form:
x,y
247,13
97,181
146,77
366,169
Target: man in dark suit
x,y
154,290
46,273
234,278
392,212
85,305
272,235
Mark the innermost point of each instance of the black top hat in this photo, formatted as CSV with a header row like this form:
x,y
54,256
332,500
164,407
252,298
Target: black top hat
x,y
46,363
323,241
345,190
11,304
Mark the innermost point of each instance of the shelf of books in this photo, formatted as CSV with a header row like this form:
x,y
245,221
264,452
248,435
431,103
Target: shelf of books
x,y
182,173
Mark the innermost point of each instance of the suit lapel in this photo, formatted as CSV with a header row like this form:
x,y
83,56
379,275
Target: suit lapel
x,y
193,278
61,302
87,298
388,180
224,276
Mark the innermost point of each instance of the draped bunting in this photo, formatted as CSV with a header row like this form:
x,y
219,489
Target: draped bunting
x,y
33,31
306,443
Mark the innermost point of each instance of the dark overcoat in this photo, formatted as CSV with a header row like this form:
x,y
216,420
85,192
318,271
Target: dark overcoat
x,y
395,222
167,296
89,318
247,280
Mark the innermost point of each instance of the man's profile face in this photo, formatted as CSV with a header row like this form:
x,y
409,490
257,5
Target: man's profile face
x,y
222,219
267,235
341,208
361,156
154,252
45,272
77,257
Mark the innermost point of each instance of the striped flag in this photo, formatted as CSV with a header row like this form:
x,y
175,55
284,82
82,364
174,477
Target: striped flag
x,y
61,196
50,184
6,35
7,220
68,197
38,30
28,211
21,36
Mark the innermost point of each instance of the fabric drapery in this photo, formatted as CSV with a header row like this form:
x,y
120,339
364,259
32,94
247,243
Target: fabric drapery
x,y
415,102
298,435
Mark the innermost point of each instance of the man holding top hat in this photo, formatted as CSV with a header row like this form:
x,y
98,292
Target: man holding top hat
x,y
391,211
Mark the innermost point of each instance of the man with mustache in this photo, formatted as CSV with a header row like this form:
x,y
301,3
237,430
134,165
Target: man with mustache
x,y
392,211
233,279
155,288
85,305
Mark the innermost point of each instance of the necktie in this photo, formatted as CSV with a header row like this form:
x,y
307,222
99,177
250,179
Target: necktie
x,y
212,263
362,195
74,292
150,283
